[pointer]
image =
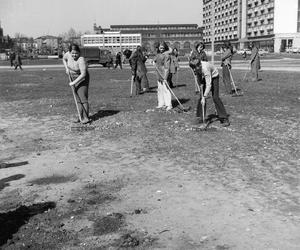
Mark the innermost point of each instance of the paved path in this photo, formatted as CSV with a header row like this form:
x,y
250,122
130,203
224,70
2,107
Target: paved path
x,y
285,64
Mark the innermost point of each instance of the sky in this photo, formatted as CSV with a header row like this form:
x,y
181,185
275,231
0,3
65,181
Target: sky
x,y
35,18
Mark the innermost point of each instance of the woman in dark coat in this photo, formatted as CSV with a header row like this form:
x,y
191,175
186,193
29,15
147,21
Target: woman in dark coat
x,y
254,62
226,67
18,62
139,71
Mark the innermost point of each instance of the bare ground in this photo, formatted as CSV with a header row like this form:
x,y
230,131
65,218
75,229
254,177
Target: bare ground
x,y
142,178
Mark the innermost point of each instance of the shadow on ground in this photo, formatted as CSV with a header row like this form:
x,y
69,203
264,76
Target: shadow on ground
x,y
103,113
11,221
5,181
11,165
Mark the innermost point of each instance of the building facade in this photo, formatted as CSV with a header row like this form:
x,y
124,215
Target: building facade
x,y
244,21
114,41
181,36
48,44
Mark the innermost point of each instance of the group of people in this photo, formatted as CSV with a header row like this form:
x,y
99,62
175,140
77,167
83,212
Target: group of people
x,y
166,65
226,65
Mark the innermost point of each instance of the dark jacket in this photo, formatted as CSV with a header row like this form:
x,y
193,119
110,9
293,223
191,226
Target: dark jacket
x,y
137,62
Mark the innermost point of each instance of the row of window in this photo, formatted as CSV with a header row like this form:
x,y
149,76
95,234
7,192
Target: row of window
x,y
112,40
221,38
260,23
221,5
267,11
224,22
155,28
260,33
255,3
172,35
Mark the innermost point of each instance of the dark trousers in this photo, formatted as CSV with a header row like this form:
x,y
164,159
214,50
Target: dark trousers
x,y
226,79
169,80
216,99
118,63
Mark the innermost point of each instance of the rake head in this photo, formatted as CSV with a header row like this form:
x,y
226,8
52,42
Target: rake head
x,y
184,109
82,128
237,94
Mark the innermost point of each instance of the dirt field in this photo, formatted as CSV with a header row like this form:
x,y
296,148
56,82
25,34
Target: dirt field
x,y
143,179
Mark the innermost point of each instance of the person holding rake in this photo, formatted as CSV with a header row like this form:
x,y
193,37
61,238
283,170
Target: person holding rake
x,y
208,78
162,65
77,70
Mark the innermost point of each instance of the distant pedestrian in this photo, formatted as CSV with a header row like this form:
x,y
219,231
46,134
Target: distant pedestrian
x,y
111,60
245,55
162,66
254,61
118,60
12,57
139,71
226,67
18,61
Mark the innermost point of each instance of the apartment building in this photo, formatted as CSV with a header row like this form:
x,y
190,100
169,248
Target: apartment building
x,y
243,21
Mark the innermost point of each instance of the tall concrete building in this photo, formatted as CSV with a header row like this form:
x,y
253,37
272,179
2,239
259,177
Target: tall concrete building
x,y
273,23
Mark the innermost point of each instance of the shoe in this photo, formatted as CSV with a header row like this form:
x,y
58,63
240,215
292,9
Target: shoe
x,y
76,121
225,122
160,107
168,108
86,121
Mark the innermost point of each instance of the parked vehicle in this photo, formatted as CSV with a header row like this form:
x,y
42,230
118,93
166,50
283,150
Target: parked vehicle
x,y
96,55
292,50
242,51
262,52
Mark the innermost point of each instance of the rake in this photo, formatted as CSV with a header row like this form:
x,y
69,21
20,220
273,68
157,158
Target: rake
x,y
233,84
131,86
80,127
168,87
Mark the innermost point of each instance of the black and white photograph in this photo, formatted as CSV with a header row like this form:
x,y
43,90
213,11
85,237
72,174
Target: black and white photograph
x,y
150,125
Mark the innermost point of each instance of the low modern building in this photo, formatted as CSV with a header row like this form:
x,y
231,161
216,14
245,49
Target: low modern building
x,y
181,36
112,40
274,24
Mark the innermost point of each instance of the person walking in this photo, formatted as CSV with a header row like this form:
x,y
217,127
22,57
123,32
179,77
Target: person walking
x,y
12,57
118,60
77,69
139,71
18,61
208,78
226,67
162,62
254,61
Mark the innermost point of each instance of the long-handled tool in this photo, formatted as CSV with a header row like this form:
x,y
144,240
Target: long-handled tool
x,y
233,84
248,70
197,88
203,105
74,96
79,115
180,104
131,86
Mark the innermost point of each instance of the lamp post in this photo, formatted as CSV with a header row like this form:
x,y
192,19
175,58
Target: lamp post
x,y
212,31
